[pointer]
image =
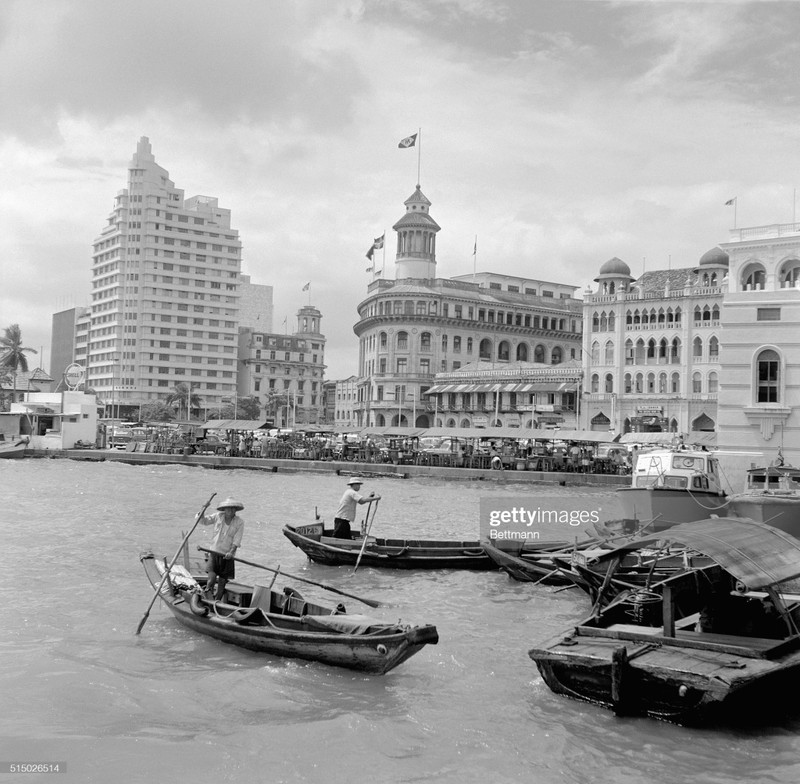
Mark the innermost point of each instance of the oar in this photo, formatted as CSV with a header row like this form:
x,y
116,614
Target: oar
x,y
172,563
366,535
370,602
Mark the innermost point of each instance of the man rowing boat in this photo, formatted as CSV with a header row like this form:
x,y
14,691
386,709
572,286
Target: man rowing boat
x,y
228,530
346,513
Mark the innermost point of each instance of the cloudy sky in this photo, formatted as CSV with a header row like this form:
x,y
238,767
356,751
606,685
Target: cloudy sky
x,y
559,132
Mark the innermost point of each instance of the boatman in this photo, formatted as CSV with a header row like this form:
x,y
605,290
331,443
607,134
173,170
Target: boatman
x,y
228,530
346,513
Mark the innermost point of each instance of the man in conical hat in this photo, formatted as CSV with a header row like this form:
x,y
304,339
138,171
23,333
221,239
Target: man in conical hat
x,y
346,513
228,530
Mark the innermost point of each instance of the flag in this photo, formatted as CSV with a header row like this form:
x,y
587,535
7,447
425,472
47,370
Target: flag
x,y
409,141
475,249
377,243
307,286
370,251
730,202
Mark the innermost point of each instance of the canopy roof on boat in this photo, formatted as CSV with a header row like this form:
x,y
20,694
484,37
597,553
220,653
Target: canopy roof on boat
x,y
756,554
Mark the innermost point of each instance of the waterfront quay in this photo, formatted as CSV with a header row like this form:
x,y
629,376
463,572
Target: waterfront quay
x,y
338,467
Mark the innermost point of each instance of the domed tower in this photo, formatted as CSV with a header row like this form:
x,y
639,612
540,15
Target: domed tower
x,y
416,240
308,322
712,267
614,276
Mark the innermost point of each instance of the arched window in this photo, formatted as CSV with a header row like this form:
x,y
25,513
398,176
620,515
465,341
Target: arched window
x,y
603,322
676,350
425,341
612,320
469,345
627,383
422,308
697,383
713,348
698,314
609,386
789,275
697,348
538,353
628,319
663,350
595,382
639,386
713,382
402,341
651,348
444,344
522,352
645,317
382,340
753,277
595,322
637,319
595,353
768,369
651,383
485,349
629,356
503,351
706,314
678,314
640,351
556,356
675,385
662,383
715,313
609,353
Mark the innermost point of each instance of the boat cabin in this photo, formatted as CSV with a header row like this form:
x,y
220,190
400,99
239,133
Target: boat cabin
x,y
678,469
777,477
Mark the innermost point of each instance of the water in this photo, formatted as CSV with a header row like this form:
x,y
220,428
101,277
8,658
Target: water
x,y
78,686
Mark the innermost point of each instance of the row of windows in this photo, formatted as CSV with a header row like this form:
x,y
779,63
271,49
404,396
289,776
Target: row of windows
x,y
664,350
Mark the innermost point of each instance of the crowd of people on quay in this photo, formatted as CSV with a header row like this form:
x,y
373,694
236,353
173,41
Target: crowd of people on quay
x,y
550,451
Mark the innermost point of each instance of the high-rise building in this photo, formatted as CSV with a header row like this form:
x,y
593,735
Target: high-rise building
x,y
165,293
69,341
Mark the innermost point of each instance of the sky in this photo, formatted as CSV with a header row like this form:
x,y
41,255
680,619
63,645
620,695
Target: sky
x,y
559,133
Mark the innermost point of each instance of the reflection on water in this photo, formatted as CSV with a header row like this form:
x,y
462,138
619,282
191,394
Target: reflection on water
x,y
79,686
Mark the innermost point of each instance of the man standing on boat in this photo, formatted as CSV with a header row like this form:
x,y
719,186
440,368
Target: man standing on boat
x,y
346,513
228,530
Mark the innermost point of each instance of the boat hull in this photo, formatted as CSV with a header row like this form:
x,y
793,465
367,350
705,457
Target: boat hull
x,y
12,451
667,506
781,512
389,553
530,567
374,653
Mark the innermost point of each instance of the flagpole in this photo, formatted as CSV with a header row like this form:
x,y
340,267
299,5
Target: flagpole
x,y
383,262
419,154
475,258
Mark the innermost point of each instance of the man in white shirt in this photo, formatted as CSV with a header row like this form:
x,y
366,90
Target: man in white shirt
x,y
228,530
346,513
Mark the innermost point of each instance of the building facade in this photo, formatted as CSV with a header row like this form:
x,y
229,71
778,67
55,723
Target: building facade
x,y
69,340
759,397
346,397
651,348
417,325
165,292
285,372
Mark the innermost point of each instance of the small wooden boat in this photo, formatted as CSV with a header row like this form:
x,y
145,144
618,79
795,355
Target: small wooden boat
x,y
717,642
533,563
13,450
284,624
320,546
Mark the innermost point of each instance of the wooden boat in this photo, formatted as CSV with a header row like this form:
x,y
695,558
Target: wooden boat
x,y
284,624
772,496
13,450
718,642
533,563
673,485
320,546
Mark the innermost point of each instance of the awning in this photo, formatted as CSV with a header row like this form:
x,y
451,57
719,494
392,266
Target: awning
x,y
758,555
506,386
236,424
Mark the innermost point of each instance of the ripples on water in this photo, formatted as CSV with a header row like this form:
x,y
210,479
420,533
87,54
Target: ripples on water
x,y
79,686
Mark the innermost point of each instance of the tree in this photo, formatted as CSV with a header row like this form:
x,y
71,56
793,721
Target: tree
x,y
13,357
157,411
249,408
277,402
185,399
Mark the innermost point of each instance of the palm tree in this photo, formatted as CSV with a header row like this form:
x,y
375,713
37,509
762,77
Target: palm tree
x,y
183,396
13,355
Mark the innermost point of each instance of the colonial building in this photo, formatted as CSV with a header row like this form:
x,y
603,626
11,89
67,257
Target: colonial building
x,y
759,397
285,372
418,325
165,292
346,395
651,348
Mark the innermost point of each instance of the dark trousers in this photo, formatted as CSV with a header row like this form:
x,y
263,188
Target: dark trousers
x,y
341,528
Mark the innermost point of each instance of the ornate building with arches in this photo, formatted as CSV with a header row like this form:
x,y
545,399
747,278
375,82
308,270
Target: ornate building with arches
x,y
651,347
417,326
759,397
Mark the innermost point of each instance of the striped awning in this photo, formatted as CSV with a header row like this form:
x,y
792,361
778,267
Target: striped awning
x,y
507,386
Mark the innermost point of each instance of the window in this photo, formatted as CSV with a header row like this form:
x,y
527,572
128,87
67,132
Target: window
x,y
767,376
768,314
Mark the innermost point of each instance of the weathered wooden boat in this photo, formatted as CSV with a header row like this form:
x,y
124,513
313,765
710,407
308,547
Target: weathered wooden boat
x,y
718,642
320,546
284,624
672,486
533,563
772,496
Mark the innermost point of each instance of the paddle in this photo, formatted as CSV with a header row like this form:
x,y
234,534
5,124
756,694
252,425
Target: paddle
x,y
366,534
172,563
370,602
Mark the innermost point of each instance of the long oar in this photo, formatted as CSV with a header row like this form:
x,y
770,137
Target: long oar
x,y
172,563
366,534
370,602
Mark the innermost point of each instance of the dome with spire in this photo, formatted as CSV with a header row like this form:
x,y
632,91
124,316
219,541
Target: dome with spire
x,y
715,257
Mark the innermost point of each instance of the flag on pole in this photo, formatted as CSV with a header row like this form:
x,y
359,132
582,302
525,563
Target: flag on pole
x,y
307,286
377,244
730,201
475,249
409,141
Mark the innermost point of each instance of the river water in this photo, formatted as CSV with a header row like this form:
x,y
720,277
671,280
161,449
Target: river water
x,y
79,687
